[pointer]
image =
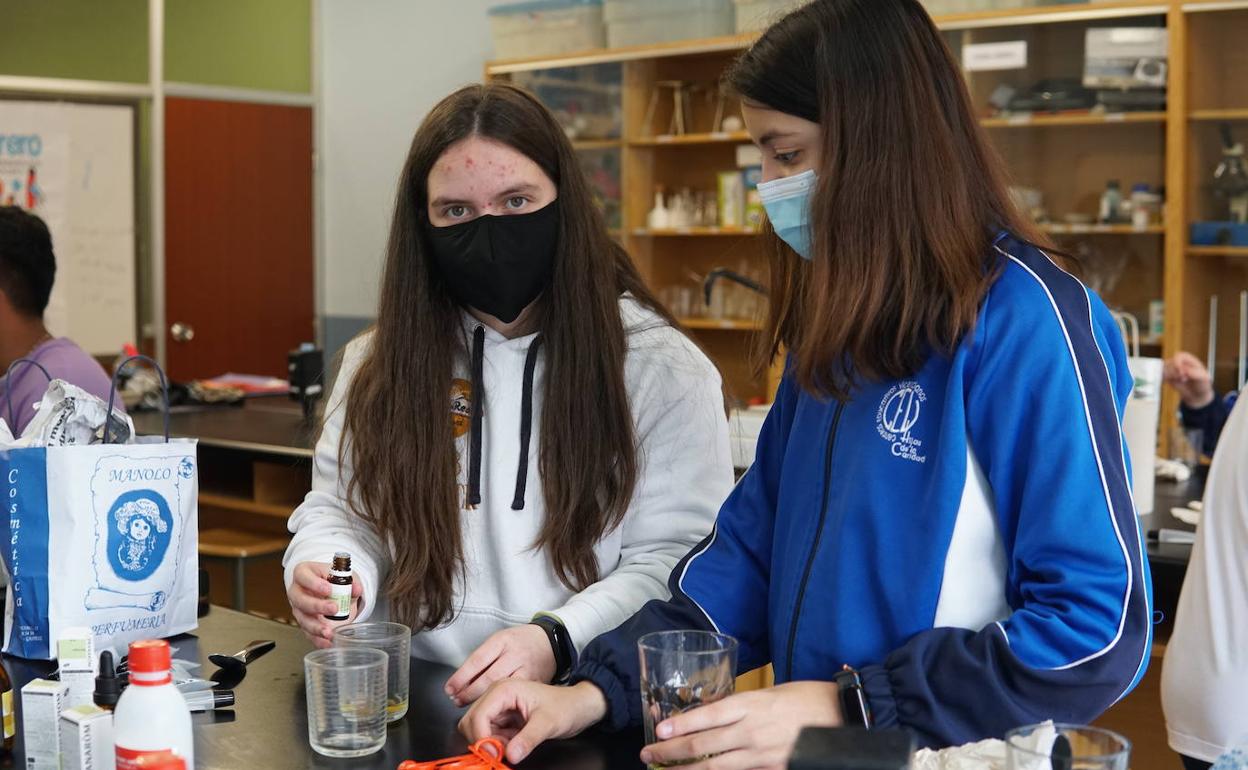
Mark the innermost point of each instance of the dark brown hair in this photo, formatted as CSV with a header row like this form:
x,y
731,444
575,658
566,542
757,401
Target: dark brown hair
x,y
401,446
27,264
908,198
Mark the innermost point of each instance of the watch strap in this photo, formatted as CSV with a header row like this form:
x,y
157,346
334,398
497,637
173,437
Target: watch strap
x,y
560,644
855,709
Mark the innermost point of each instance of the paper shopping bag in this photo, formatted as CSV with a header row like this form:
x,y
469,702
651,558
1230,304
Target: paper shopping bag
x,y
103,536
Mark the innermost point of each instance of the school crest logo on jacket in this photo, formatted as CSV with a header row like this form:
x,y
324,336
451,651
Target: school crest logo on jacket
x,y
898,415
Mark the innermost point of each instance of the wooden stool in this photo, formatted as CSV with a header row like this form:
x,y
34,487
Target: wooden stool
x,y
239,546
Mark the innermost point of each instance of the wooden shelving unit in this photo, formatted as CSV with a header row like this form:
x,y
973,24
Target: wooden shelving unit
x,y
694,232
597,144
1238,252
1051,14
1061,229
721,324
1033,120
1068,156
1219,115
677,140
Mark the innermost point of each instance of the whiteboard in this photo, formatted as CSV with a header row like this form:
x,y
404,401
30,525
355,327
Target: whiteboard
x,y
80,158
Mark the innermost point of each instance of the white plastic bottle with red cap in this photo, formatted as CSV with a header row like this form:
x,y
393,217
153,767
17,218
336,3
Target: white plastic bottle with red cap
x,y
151,719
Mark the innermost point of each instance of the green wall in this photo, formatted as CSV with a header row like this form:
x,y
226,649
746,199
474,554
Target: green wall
x,y
78,39
264,44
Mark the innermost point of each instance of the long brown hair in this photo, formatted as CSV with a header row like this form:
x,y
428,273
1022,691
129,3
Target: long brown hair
x,y
401,446
909,192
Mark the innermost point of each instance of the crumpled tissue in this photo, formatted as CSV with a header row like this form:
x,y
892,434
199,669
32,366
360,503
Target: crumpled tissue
x,y
990,754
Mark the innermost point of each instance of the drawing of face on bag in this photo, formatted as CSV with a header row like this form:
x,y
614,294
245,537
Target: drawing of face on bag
x,y
138,530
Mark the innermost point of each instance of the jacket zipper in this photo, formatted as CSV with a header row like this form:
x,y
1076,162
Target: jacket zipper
x,y
814,549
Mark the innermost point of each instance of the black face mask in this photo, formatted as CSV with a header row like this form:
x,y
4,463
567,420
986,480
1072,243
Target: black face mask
x,y
498,265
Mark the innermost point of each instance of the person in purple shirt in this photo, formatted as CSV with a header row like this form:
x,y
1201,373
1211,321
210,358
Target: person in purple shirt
x,y
27,271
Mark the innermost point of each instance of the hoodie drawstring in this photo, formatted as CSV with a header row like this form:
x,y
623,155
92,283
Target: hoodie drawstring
x,y
526,425
526,421
478,401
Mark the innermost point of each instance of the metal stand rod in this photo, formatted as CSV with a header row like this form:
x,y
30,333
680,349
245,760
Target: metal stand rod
x,y
1243,339
1212,363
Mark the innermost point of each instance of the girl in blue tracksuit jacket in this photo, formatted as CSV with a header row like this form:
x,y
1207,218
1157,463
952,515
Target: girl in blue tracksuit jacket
x,y
941,499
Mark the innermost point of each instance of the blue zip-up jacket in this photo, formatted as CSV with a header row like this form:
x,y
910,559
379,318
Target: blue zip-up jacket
x,y
965,537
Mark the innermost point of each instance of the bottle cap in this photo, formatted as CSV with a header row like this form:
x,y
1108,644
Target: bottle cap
x,y
150,662
107,684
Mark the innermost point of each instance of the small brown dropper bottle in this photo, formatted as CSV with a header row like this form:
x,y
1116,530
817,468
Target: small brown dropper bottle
x,y
340,586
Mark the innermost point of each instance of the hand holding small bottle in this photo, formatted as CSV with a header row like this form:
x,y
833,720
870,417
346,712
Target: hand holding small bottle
x,y
312,600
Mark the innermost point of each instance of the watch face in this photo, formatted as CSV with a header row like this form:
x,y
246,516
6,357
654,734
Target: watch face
x,y
854,707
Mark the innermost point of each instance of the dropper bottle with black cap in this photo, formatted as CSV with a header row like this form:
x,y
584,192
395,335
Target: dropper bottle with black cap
x,y
107,683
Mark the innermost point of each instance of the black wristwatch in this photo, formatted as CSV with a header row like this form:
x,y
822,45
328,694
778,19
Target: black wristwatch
x,y
560,644
855,710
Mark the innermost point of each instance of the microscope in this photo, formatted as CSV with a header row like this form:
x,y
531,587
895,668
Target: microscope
x,y
1230,179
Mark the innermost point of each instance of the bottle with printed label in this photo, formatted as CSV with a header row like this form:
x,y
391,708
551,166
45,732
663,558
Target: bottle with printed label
x,y
151,719
340,586
6,708
164,762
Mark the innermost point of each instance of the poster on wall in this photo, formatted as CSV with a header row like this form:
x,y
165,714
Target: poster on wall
x,y
73,166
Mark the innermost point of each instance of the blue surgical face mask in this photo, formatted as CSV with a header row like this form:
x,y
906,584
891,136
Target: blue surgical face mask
x,y
787,202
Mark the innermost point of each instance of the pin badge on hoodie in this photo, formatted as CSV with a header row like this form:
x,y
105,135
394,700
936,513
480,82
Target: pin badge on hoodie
x,y
461,407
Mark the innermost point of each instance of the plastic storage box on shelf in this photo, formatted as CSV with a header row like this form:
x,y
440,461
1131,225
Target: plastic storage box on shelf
x,y
642,22
546,27
757,15
942,7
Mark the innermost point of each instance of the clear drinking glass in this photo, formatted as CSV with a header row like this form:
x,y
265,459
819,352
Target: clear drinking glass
x,y
1186,445
346,690
394,639
1074,747
1195,438
681,670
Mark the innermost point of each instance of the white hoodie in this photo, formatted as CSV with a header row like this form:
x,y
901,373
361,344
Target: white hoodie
x,y
685,473
1204,679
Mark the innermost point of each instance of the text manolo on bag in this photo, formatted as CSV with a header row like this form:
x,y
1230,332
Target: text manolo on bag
x,y
103,536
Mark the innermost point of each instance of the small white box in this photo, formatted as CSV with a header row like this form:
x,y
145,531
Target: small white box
x,y
77,664
42,701
87,739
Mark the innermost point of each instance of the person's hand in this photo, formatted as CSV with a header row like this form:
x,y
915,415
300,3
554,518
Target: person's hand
x,y
746,731
1186,374
309,600
519,652
526,714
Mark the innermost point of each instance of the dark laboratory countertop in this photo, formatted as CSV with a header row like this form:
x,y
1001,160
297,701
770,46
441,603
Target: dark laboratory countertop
x,y
268,728
261,426
1171,495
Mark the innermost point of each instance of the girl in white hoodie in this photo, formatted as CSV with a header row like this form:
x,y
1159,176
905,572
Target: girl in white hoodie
x,y
525,444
